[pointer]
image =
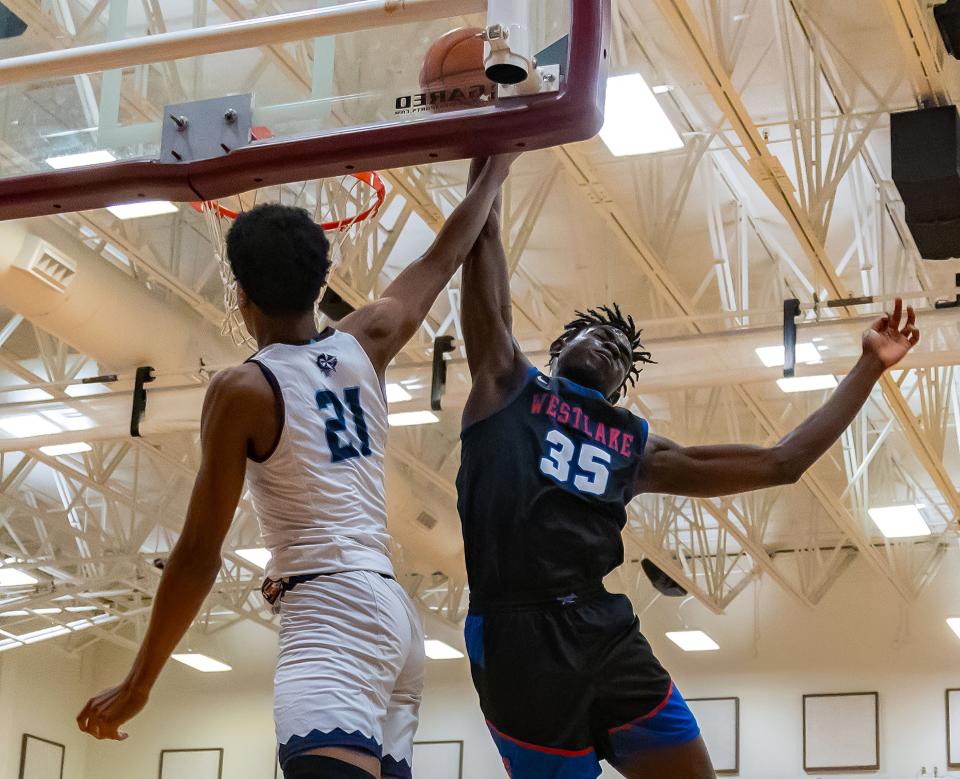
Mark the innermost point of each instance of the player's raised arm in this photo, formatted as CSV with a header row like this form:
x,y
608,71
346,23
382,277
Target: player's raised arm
x,y
383,327
707,471
234,396
496,363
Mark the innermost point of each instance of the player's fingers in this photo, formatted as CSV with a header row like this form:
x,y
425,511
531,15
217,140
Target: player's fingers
x,y
911,320
914,337
881,324
897,314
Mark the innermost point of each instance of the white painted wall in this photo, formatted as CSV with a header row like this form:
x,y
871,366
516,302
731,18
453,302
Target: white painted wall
x,y
193,710
41,690
859,639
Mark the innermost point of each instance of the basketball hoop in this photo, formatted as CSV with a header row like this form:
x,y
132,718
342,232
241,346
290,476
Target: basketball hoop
x,y
346,208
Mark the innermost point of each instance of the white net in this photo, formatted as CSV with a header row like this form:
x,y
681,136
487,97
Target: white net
x,y
347,209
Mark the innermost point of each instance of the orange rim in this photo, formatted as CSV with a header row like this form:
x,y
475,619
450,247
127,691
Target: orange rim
x,y
370,178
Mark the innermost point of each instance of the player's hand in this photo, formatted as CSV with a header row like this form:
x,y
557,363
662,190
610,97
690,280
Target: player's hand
x,y
105,713
887,341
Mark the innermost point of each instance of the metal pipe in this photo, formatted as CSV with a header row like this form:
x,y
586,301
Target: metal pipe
x,y
247,34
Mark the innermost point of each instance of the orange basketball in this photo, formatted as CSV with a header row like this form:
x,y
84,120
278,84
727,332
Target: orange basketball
x,y
453,73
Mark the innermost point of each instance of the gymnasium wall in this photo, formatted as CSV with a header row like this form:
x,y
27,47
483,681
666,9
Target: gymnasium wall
x,y
859,639
40,687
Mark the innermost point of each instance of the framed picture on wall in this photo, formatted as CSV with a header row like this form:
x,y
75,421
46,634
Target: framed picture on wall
x,y
195,763
41,758
719,720
438,760
841,732
953,728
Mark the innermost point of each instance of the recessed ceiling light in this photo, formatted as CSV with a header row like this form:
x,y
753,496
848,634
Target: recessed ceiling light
x,y
438,650
62,449
773,356
14,577
407,418
693,641
899,521
28,426
635,123
80,160
202,663
142,208
397,394
954,623
84,390
257,556
26,396
807,383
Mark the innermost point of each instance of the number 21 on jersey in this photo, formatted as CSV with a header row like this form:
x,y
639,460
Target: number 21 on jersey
x,y
591,470
341,447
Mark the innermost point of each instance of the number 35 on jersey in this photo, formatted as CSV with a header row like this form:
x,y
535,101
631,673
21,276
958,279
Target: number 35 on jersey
x,y
584,467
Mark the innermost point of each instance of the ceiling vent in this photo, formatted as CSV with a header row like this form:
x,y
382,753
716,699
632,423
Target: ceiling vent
x,y
48,265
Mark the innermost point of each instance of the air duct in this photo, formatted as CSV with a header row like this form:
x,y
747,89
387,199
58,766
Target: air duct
x,y
64,288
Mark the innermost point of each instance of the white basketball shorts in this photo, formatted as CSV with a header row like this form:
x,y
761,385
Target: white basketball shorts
x,y
350,669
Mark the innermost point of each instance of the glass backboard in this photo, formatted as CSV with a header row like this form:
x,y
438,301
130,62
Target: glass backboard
x,y
368,98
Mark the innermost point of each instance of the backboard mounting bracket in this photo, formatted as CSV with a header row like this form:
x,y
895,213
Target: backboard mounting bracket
x,y
206,129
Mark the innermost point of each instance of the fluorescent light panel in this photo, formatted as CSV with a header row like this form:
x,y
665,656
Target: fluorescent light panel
x,y
80,160
635,123
807,383
14,577
407,418
773,356
202,663
899,521
693,641
85,390
397,394
28,426
62,449
954,623
438,650
142,208
257,556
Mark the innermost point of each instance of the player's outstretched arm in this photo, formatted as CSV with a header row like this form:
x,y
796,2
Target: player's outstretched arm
x,y
708,471
383,327
191,570
496,363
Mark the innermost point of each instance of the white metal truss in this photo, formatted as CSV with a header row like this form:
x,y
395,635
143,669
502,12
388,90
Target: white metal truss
x,y
88,525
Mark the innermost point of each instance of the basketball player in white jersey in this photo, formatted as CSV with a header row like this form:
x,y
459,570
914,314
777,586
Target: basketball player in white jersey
x,y
306,420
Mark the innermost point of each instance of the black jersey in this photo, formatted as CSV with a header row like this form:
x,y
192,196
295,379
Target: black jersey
x,y
543,489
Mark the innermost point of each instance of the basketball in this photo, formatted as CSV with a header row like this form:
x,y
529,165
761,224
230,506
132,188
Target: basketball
x,y
453,71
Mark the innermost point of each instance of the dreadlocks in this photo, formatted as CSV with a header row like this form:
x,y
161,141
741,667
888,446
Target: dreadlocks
x,y
605,316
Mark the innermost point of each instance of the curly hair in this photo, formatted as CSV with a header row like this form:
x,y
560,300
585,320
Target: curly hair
x,y
607,316
280,257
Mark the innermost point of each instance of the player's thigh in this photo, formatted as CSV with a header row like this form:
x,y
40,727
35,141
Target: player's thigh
x,y
403,710
683,761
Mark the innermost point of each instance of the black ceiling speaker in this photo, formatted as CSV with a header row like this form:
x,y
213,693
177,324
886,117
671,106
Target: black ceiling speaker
x,y
925,152
11,25
948,20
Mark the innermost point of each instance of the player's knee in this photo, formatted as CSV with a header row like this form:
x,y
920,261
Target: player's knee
x,y
320,767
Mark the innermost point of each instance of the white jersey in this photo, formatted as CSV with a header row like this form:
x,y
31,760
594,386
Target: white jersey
x,y
319,494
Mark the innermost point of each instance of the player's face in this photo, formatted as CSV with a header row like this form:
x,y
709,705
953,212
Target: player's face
x,y
599,357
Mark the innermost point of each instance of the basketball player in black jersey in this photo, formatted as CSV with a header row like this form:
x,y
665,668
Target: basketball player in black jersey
x,y
549,463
